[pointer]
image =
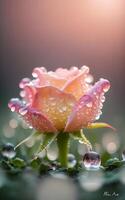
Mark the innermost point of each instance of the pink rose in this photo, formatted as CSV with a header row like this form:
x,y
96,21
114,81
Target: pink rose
x,y
63,100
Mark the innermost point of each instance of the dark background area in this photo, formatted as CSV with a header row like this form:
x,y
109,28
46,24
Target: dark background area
x,y
56,33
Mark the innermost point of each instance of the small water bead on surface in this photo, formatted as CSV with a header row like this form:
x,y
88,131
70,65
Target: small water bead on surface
x,y
89,105
23,111
89,79
43,69
13,108
103,99
30,127
23,82
92,160
105,89
71,161
22,93
14,104
34,75
8,151
97,117
64,108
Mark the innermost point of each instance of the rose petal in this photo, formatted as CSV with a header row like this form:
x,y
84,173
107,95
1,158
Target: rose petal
x,y
55,104
88,108
28,90
66,74
78,85
34,118
39,121
48,78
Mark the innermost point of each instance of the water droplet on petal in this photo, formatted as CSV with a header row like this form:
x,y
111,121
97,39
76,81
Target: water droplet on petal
x,y
89,79
43,69
103,99
92,160
106,88
23,82
64,108
30,127
23,111
34,75
8,151
13,108
89,105
97,117
71,160
22,93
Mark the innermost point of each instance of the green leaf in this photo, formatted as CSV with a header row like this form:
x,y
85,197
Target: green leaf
x,y
18,162
113,163
35,163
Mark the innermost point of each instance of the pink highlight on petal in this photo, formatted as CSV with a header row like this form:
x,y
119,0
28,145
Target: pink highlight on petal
x,y
48,78
30,92
15,104
67,74
55,104
77,85
62,73
88,108
39,121
34,118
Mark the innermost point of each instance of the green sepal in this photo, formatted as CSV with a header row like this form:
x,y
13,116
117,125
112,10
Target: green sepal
x,y
100,125
79,135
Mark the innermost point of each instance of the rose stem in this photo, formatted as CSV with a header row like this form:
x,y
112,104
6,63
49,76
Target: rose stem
x,y
63,144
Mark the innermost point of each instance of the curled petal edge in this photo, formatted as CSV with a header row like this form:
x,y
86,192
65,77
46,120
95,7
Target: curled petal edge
x,y
34,118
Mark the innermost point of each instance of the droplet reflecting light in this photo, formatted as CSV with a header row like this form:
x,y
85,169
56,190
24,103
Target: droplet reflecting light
x,y
92,160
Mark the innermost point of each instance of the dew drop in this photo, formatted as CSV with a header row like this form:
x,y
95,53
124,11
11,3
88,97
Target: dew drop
x,y
22,111
8,151
30,127
89,105
103,99
34,74
43,69
22,93
97,117
13,108
24,82
89,79
81,142
106,88
73,68
64,108
92,160
71,160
